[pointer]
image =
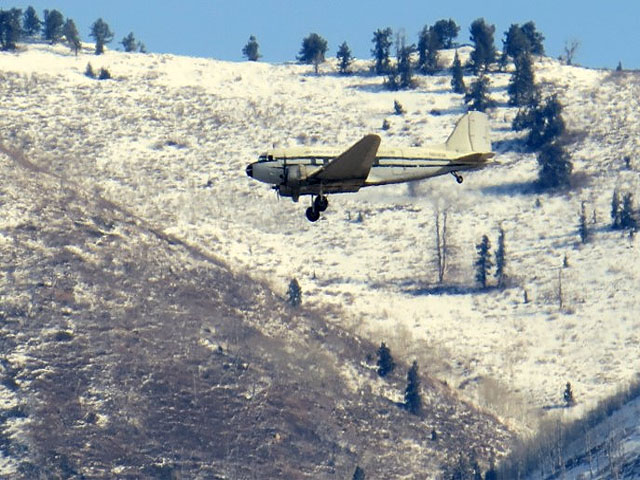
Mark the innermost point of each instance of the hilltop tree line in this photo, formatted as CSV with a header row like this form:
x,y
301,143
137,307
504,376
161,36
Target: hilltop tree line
x,y
16,26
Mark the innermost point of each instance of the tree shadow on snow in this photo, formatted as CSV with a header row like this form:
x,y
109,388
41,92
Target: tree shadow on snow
x,y
511,189
419,290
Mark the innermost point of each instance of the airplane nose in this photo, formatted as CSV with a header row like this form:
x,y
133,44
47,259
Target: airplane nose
x,y
250,170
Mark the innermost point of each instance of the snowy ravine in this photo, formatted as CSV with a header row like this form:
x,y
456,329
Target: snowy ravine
x,y
169,137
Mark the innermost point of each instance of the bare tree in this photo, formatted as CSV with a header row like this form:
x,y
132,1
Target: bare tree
x,y
570,49
441,245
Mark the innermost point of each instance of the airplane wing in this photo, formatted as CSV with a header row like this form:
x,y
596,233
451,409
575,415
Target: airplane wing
x,y
353,164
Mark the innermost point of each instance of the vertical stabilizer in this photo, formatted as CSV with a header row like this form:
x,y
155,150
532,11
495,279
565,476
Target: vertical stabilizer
x,y
471,134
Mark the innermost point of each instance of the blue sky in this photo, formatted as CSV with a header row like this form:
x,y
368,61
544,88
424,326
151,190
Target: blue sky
x,y
220,29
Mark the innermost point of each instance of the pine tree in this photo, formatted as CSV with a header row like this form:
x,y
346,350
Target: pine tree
x,y
250,50
501,261
385,361
412,397
52,26
555,166
10,28
478,95
484,53
544,121
627,216
492,473
405,66
102,34
129,43
522,89
457,76
535,38
445,32
294,294
615,210
568,396
31,24
515,42
381,50
344,57
71,34
428,45
89,72
483,262
313,50
359,474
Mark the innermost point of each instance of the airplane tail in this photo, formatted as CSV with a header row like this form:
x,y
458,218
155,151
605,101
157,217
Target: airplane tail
x,y
471,134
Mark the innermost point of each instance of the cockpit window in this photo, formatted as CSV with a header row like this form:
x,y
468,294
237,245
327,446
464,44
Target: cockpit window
x,y
262,158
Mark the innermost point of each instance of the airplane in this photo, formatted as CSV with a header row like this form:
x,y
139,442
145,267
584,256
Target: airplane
x,y
321,171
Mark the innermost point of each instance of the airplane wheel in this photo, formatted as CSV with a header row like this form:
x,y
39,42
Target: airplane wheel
x,y
321,203
459,179
312,214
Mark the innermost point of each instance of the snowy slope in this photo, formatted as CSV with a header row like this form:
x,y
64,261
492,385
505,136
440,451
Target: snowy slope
x,y
170,137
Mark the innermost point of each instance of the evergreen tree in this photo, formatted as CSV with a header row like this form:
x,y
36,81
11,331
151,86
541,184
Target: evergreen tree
x,y
544,121
478,95
615,210
583,229
359,474
445,32
381,50
492,473
404,66
71,34
385,361
484,53
10,28
312,51
104,74
501,261
250,50
568,396
398,108
535,38
412,397
89,72
31,24
428,45
344,57
483,262
102,34
522,89
627,216
555,166
521,39
457,76
515,42
129,43
294,294
52,26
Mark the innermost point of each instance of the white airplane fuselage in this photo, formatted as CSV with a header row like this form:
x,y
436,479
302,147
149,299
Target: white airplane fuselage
x,y
321,171
390,166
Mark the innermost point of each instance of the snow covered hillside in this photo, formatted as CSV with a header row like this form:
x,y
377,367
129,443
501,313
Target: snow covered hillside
x,y
169,137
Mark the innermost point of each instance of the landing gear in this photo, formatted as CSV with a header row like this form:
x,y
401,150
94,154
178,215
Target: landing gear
x,y
312,214
319,204
457,176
